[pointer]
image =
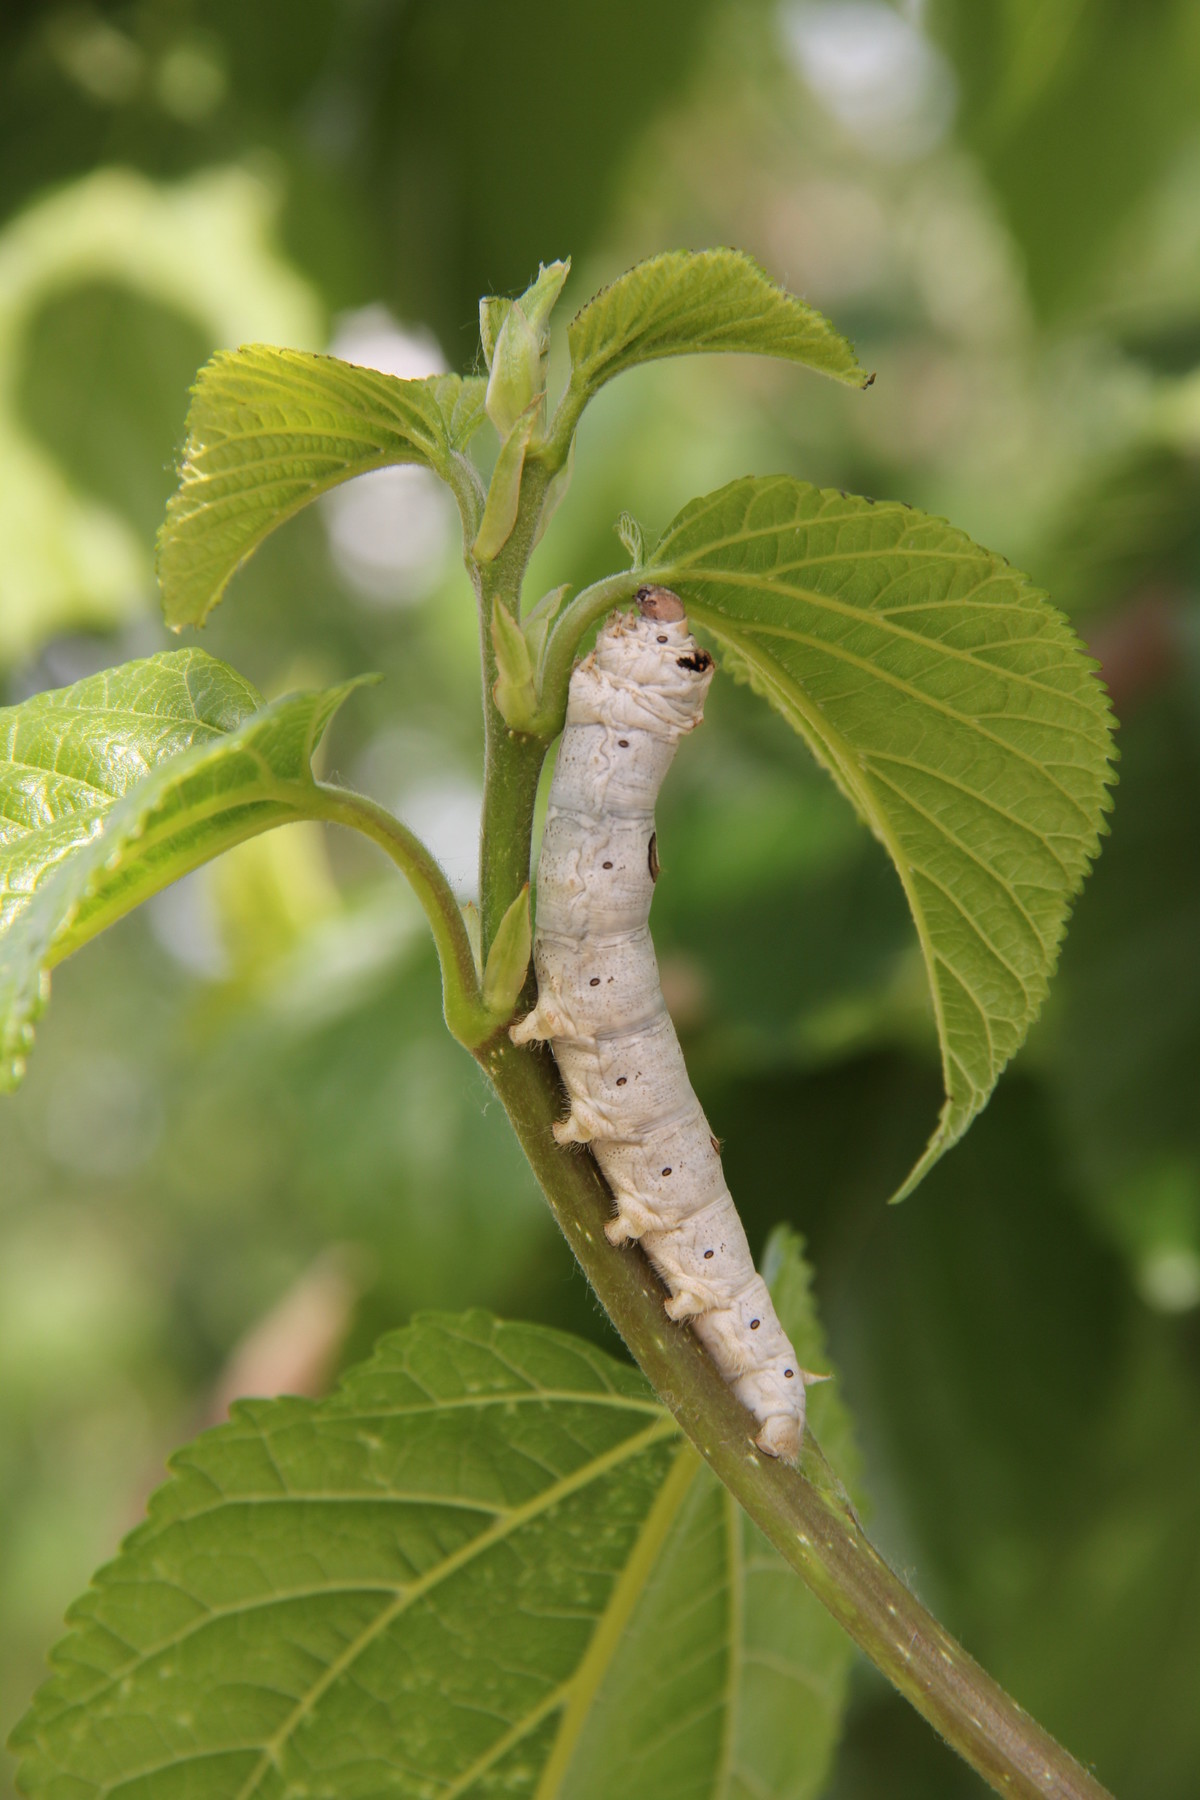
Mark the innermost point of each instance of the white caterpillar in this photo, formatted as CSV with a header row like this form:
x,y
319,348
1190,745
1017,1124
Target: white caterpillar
x,y
601,1006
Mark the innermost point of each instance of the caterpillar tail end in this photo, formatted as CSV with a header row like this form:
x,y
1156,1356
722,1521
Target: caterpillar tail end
x,y
781,1436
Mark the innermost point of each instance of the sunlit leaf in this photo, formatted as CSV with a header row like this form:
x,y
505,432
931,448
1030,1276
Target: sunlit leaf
x,y
268,431
955,708
685,302
487,1565
70,555
115,786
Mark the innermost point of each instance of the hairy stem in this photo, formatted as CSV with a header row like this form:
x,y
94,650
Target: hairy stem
x,y
462,1001
812,1527
512,760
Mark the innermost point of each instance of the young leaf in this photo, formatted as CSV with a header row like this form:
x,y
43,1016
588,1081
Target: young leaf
x,y
954,707
538,620
508,959
515,691
493,310
630,533
269,430
504,491
488,1564
515,341
117,785
689,301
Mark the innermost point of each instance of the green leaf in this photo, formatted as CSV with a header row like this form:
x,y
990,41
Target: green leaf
x,y
117,785
493,310
504,490
954,707
515,692
269,430
72,554
508,959
687,301
633,539
487,1565
516,353
535,626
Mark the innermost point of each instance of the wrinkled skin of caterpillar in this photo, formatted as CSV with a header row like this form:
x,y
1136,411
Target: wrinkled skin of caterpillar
x,y
601,1007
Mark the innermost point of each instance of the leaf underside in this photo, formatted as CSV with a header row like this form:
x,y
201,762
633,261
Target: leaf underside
x,y
953,705
267,431
685,302
117,785
488,1565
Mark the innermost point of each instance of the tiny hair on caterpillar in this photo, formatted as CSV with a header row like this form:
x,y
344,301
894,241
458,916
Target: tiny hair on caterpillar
x,y
601,1008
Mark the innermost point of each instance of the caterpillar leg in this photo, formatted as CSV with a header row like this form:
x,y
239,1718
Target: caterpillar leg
x,y
583,1123
539,1025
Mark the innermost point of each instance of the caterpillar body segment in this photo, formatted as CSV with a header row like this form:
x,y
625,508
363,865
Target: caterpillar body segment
x,y
600,1005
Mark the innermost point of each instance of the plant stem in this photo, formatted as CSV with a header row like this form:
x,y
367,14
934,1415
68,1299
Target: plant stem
x,y
814,1530
512,760
462,1001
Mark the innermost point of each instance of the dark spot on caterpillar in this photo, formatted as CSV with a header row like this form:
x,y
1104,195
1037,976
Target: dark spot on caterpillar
x,y
666,1171
716,1146
697,664
789,1373
623,743
662,638
607,865
621,1080
652,856
708,1255
595,981
754,1324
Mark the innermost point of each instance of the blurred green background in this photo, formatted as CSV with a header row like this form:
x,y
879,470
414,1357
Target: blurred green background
x,y
246,1145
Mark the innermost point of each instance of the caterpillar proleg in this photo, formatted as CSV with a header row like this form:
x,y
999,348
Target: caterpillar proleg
x,y
602,1009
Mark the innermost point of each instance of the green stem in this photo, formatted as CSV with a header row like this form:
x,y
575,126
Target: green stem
x,y
466,1015
565,635
814,1530
512,760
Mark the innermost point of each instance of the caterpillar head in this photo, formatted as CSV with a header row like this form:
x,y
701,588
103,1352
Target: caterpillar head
x,y
660,604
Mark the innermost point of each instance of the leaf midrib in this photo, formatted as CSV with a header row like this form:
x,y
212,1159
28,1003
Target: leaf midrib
x,y
560,1490
606,1637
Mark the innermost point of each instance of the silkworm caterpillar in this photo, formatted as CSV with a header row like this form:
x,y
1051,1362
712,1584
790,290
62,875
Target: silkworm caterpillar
x,y
601,1007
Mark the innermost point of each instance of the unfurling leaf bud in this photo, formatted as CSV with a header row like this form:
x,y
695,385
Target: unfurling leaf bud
x,y
516,336
508,959
515,692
